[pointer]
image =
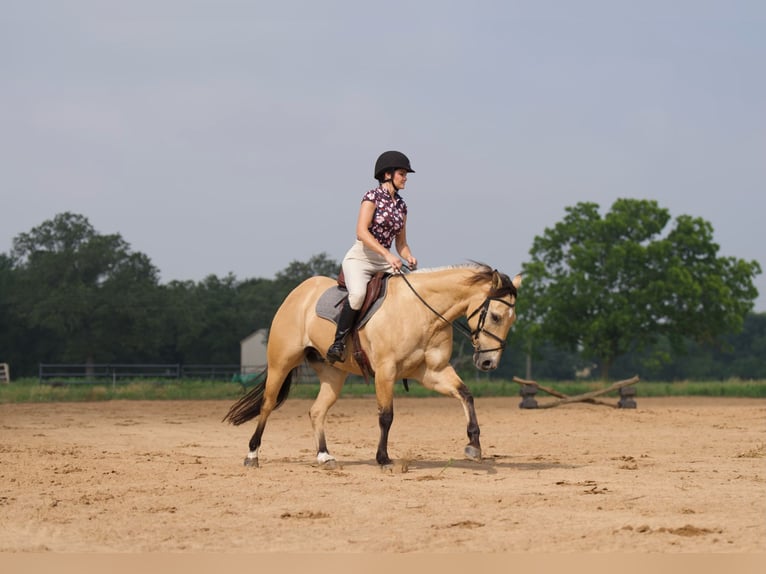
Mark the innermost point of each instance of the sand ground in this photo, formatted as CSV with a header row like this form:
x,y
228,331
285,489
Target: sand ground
x,y
675,475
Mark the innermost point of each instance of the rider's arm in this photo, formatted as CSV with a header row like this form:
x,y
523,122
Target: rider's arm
x,y
363,223
403,247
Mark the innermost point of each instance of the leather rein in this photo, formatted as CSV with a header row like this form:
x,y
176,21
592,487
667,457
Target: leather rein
x,y
473,335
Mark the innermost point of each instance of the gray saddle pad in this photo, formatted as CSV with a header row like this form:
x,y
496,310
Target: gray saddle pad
x,y
330,302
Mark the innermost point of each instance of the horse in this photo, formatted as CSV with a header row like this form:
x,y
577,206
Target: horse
x,y
409,337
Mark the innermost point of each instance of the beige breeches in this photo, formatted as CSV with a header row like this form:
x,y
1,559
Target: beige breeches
x,y
359,265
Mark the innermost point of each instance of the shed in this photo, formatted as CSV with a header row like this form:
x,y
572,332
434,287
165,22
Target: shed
x,y
253,351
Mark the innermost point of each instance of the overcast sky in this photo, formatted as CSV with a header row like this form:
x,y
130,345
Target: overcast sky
x,y
220,136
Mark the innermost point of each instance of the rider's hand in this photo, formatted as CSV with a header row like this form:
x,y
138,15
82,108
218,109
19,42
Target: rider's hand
x,y
395,262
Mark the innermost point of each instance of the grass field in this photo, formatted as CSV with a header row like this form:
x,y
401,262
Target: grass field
x,y
31,391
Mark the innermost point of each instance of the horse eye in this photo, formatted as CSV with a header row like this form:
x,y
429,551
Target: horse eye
x,y
495,317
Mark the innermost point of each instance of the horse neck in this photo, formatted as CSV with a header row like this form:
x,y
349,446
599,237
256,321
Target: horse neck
x,y
446,290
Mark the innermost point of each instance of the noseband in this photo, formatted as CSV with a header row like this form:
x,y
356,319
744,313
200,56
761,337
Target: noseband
x,y
473,335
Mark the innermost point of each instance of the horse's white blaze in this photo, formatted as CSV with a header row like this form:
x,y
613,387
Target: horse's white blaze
x,y
510,312
324,457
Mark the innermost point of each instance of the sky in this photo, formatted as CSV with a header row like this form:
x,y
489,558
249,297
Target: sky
x,y
237,136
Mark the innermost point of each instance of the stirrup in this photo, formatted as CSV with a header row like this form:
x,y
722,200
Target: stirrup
x,y
336,352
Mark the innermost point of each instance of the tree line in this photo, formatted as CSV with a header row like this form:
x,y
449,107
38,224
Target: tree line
x,y
71,295
613,295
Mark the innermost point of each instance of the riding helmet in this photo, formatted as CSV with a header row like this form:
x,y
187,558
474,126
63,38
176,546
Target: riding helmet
x,y
390,161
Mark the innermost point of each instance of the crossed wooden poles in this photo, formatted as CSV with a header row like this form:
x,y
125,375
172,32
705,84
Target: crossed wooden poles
x,y
583,398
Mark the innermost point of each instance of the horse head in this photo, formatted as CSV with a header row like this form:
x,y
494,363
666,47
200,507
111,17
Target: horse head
x,y
494,317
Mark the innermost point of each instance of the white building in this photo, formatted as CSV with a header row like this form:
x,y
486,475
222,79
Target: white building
x,y
253,352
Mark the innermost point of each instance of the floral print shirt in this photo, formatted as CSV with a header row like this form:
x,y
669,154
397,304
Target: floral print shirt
x,y
388,219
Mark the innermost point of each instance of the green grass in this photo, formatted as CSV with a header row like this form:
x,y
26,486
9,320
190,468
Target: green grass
x,y
30,391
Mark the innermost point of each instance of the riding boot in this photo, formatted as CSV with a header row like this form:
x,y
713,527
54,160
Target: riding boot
x,y
337,350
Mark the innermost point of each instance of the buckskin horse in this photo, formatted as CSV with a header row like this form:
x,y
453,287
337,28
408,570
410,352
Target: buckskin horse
x,y
408,337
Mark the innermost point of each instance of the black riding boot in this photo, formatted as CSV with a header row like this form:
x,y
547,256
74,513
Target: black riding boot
x,y
337,350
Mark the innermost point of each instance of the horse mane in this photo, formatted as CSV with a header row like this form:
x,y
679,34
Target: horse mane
x,y
468,265
482,273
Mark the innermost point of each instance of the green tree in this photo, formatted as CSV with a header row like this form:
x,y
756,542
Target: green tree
x,y
605,285
87,292
260,298
747,350
299,271
215,327
12,330
180,316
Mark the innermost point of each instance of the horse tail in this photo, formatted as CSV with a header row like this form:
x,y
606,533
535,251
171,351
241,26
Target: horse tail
x,y
249,406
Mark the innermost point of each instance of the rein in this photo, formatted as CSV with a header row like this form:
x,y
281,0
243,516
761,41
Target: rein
x,y
473,335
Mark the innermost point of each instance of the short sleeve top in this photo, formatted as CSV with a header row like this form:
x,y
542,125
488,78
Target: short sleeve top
x,y
388,219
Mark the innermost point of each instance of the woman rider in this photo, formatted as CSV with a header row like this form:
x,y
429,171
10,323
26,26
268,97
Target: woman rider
x,y
382,221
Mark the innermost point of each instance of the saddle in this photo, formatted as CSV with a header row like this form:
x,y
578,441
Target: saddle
x,y
330,301
375,290
329,304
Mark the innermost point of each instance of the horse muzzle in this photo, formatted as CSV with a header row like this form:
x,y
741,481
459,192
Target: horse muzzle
x,y
485,362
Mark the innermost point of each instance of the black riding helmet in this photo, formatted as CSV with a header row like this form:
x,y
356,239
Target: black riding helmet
x,y
390,161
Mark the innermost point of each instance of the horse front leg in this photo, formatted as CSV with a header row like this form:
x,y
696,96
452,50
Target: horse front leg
x,y
447,382
384,392
473,448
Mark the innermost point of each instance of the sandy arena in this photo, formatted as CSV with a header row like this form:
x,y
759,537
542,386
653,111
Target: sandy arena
x,y
675,475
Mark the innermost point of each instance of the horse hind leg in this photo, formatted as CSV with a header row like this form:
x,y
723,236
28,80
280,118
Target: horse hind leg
x,y
251,459
331,382
277,387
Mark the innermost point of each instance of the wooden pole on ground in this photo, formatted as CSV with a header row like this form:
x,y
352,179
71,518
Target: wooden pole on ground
x,y
585,397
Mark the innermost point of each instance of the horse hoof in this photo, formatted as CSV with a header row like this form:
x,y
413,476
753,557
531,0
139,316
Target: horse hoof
x,y
472,453
326,460
331,464
251,462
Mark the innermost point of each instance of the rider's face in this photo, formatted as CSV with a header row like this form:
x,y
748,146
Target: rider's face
x,y
400,178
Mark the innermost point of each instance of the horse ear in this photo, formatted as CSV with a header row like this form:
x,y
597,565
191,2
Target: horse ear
x,y
517,281
497,280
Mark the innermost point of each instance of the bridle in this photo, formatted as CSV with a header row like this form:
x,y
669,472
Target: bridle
x,y
472,334
482,311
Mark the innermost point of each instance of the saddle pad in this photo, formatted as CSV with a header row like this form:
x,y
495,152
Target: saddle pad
x,y
330,302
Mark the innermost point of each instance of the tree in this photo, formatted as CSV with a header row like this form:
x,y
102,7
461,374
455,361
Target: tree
x,y
299,271
213,322
606,285
260,298
744,355
12,332
84,291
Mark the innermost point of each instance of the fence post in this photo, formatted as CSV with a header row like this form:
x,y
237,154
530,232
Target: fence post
x,y
5,373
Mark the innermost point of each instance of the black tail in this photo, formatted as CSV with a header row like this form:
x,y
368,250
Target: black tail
x,y
249,406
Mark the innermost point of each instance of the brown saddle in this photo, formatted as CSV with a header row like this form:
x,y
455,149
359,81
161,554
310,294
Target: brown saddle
x,y
374,289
